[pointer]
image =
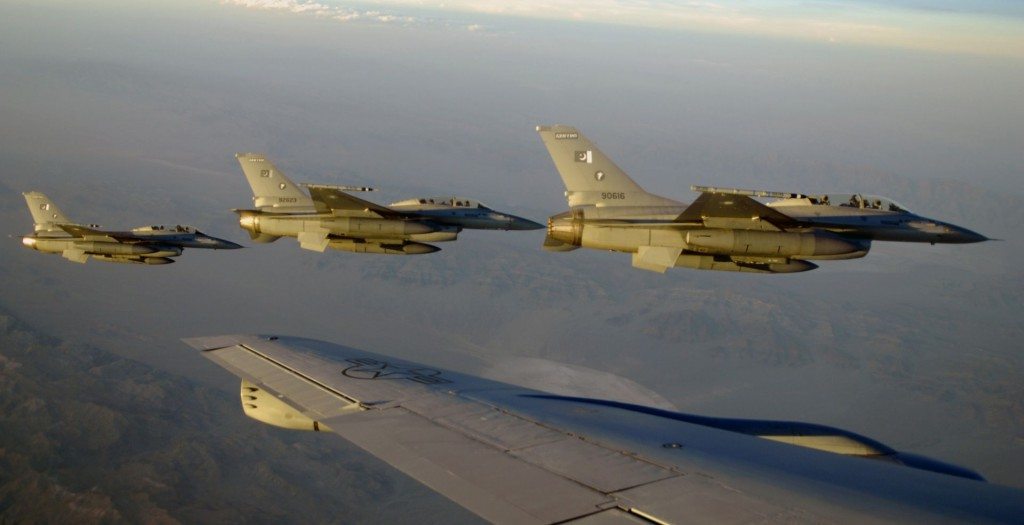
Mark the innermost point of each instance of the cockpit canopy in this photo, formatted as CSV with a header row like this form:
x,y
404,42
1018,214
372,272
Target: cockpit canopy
x,y
851,200
857,200
441,202
165,229
782,199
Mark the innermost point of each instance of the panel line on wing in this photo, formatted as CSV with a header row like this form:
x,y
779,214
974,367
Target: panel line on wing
x,y
591,464
297,373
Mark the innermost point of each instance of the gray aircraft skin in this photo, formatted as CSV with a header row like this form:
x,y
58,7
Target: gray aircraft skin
x,y
153,245
517,455
723,229
329,217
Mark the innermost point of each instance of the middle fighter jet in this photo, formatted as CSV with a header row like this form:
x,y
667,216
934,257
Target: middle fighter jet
x,y
329,217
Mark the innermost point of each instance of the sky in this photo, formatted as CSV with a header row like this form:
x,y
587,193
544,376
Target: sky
x,y
994,28
129,114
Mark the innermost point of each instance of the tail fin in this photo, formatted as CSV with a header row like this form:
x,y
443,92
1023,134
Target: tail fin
x,y
45,214
590,177
270,188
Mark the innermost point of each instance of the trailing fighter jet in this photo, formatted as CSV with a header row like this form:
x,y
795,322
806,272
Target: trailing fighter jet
x,y
516,455
54,233
723,229
329,217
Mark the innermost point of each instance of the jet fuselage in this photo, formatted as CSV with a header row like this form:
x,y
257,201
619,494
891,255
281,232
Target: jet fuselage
x,y
463,214
329,216
723,229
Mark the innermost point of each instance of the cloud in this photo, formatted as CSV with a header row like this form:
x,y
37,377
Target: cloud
x,y
908,25
336,12
293,6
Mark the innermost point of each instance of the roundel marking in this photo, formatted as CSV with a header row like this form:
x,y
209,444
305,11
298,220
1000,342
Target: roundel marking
x,y
599,176
44,206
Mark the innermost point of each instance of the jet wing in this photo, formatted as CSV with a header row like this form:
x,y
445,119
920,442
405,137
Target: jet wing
x,y
89,234
514,455
330,198
717,210
123,237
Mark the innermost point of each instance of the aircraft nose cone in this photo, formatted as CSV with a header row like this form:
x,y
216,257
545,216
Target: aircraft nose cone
x,y
965,236
970,236
219,244
519,223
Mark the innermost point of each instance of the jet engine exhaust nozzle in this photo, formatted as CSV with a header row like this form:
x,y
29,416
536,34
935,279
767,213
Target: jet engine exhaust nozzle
x,y
566,227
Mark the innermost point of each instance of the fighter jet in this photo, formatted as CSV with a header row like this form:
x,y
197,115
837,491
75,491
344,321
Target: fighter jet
x,y
54,233
723,229
330,217
516,455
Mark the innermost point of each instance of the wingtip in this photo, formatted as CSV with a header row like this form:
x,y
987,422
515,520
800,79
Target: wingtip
x,y
211,342
216,342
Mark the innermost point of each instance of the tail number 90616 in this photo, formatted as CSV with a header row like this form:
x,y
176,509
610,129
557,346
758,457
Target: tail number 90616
x,y
613,195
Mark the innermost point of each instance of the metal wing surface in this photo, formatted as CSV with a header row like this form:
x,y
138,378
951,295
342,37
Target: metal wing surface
x,y
515,455
336,199
90,234
734,211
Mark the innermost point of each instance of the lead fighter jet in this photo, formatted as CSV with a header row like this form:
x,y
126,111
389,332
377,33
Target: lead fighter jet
x,y
329,217
723,229
516,455
54,233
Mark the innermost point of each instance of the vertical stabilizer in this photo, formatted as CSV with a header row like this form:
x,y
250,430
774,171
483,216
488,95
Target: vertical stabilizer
x,y
590,177
45,214
271,190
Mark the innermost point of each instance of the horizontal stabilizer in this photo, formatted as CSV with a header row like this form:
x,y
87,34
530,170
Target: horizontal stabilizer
x,y
656,258
262,238
76,255
315,241
552,244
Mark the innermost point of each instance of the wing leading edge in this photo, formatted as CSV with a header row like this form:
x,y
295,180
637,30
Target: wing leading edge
x,y
719,210
515,455
333,198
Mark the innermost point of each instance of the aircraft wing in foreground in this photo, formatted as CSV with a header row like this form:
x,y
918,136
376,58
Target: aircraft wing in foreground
x,y
515,455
